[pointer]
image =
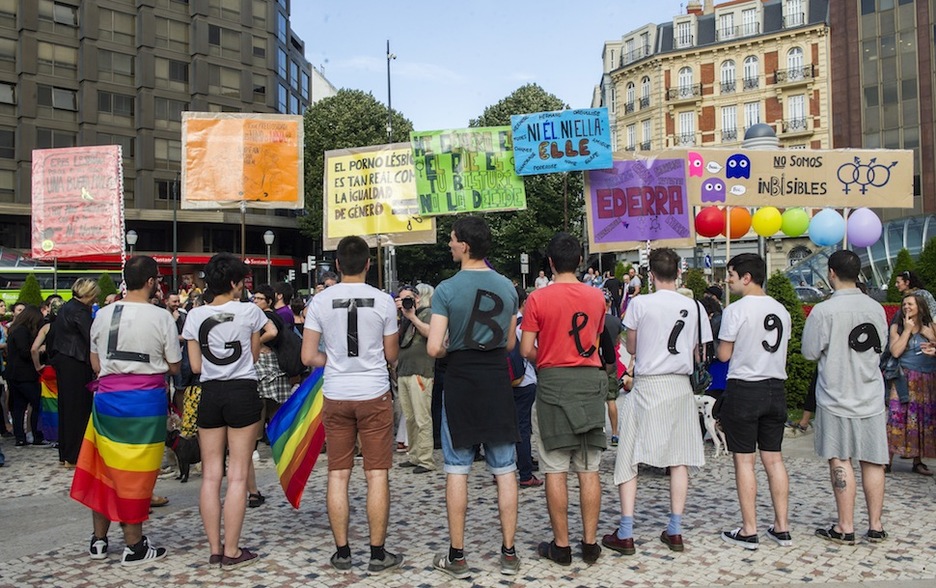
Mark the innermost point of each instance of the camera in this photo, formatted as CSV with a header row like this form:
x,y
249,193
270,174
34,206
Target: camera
x,y
408,303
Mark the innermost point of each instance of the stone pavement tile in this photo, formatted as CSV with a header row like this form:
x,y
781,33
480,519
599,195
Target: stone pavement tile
x,y
295,546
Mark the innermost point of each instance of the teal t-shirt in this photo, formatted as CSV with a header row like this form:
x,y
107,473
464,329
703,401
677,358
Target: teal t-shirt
x,y
479,305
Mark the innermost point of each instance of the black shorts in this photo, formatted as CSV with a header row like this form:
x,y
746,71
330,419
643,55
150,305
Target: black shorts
x,y
228,403
753,415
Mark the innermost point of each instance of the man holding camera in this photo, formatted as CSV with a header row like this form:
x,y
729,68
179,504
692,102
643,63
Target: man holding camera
x,y
415,369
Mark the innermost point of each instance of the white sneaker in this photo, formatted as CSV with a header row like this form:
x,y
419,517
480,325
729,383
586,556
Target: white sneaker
x,y
144,553
256,455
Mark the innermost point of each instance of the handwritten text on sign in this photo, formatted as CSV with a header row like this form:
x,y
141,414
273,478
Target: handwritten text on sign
x,y
466,170
566,140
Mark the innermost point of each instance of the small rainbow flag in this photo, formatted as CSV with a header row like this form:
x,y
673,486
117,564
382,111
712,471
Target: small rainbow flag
x,y
48,416
123,447
297,435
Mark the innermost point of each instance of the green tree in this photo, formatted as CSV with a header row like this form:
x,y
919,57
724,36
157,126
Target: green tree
x,y
926,264
694,279
31,293
799,370
107,287
903,263
621,269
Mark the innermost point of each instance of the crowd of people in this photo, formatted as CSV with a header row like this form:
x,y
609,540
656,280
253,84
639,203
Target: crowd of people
x,y
484,371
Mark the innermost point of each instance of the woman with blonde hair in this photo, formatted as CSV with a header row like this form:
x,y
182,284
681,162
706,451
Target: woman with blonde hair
x,y
69,349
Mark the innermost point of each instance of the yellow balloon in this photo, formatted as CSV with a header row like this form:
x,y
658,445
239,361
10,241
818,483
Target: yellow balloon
x,y
767,221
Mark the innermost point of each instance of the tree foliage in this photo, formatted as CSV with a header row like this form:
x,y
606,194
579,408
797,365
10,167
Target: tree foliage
x,y
903,263
106,286
799,369
31,293
926,264
694,279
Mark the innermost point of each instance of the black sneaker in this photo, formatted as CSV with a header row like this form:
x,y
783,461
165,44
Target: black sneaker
x,y
389,562
142,553
560,555
590,552
98,547
834,536
875,536
783,538
736,538
458,569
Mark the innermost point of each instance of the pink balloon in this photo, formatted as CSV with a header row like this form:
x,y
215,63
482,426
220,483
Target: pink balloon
x,y
864,228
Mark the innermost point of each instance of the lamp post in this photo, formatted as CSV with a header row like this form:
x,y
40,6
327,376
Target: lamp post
x,y
268,238
132,240
390,273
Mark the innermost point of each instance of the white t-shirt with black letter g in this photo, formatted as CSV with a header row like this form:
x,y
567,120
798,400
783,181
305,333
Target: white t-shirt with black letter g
x,y
224,332
759,327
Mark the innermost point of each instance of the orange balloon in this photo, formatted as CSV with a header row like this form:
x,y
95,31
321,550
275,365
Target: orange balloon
x,y
740,222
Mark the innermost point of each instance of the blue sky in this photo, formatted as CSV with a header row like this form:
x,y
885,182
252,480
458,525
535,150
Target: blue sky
x,y
456,58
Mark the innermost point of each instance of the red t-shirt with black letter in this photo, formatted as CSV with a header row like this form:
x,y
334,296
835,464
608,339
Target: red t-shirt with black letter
x,y
568,319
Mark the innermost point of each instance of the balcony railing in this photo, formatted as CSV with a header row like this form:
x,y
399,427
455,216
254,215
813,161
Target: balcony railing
x,y
744,30
645,102
630,148
729,135
750,83
635,55
729,87
795,125
794,20
683,41
794,74
685,138
628,107
645,146
684,92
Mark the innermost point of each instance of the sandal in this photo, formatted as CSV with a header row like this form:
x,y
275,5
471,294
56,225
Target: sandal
x,y
920,468
254,500
834,536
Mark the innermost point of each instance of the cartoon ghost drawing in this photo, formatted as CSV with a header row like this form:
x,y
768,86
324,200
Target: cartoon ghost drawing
x,y
738,166
713,190
696,164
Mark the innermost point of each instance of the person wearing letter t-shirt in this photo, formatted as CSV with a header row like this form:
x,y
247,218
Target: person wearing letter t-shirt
x,y
223,339
133,346
659,423
754,335
561,326
358,324
846,334
478,308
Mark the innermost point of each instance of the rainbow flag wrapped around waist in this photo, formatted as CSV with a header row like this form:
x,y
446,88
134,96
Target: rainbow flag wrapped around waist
x,y
296,435
123,447
48,416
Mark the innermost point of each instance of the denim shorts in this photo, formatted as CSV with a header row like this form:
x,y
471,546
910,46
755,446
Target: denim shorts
x,y
501,458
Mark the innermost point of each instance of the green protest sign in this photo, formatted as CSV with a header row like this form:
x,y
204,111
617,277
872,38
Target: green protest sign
x,y
466,170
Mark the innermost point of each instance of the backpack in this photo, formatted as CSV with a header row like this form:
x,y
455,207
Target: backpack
x,y
289,353
516,366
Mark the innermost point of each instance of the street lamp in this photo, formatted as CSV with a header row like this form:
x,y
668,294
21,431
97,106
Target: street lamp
x,y
268,238
132,240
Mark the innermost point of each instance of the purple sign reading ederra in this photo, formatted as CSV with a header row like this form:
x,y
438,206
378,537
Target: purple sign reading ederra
x,y
639,200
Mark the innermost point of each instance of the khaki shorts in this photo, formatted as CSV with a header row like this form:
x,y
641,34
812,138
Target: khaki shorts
x,y
371,420
560,461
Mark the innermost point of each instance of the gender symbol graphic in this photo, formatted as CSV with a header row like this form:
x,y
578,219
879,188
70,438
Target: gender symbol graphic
x,y
864,174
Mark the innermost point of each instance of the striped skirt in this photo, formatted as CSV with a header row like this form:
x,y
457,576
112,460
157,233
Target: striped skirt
x,y
49,415
658,426
122,447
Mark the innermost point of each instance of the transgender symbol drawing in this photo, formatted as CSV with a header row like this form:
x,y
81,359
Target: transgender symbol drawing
x,y
864,174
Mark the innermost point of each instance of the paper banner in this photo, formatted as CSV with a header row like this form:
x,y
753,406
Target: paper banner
x,y
229,158
372,190
466,170
638,200
852,178
565,140
77,202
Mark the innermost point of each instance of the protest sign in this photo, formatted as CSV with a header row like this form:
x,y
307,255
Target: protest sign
x,y
791,177
229,158
638,200
371,191
77,202
466,170
565,140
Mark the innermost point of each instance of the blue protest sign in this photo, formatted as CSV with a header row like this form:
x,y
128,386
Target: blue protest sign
x,y
565,140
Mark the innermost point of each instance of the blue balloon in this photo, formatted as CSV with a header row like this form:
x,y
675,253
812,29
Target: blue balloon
x,y
827,228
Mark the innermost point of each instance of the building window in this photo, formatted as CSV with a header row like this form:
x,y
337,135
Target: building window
x,y
749,24
729,123
281,99
686,128
631,137
225,9
259,88
116,104
8,14
116,26
726,28
281,27
8,55
168,113
729,82
629,96
294,74
58,98
54,138
294,104
168,153
259,51
57,60
8,194
281,62
796,114
126,143
223,42
172,34
7,93
645,92
751,114
259,14
683,34
60,19
793,14
751,73
794,62
115,67
7,144
305,86
646,131
224,81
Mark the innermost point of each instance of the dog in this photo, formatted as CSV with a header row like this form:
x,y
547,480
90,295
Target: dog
x,y
187,452
705,403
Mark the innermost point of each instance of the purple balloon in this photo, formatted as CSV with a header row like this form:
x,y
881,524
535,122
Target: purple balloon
x,y
864,228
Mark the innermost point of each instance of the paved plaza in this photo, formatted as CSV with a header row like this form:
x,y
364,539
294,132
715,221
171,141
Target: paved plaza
x,y
45,533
